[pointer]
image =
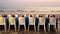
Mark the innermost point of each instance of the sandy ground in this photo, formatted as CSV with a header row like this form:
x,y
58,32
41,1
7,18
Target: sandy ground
x,y
30,32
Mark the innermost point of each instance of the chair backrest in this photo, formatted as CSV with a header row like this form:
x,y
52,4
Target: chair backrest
x,y
41,19
52,19
2,20
21,19
31,19
12,20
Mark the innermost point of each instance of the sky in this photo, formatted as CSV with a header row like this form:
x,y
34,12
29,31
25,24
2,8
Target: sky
x,y
28,3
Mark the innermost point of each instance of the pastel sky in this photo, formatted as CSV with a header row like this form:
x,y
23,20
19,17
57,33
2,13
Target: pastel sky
x,y
29,3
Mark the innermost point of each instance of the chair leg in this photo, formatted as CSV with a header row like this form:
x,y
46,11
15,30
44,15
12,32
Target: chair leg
x,y
58,28
18,28
44,29
34,28
15,27
24,28
9,28
55,28
49,28
5,27
28,28
38,28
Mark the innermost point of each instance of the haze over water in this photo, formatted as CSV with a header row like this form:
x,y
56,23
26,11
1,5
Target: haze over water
x,y
12,4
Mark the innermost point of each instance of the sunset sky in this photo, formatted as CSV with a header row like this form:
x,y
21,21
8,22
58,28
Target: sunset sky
x,y
29,3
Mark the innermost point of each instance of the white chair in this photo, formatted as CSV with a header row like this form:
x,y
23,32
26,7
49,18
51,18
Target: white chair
x,y
31,22
52,21
2,21
21,19
41,22
12,21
